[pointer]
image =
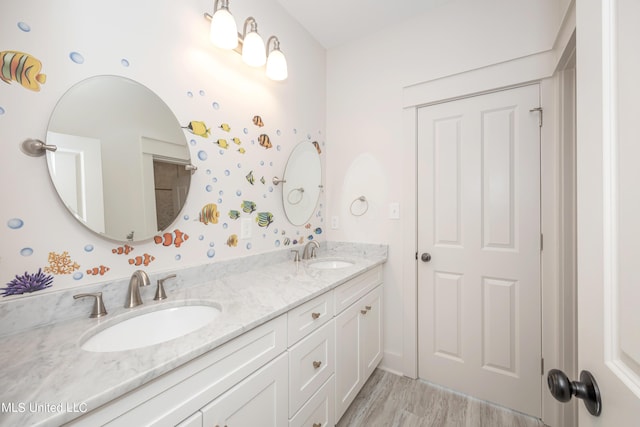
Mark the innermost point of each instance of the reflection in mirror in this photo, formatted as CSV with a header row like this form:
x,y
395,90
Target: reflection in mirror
x,y
120,163
302,183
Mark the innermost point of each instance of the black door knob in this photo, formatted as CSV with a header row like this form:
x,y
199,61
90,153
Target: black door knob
x,y
425,257
562,388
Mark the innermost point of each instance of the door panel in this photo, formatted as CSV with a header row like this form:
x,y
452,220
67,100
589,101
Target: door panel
x,y
608,156
479,217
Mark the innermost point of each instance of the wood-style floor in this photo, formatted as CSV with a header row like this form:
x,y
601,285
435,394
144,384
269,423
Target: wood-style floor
x,y
389,400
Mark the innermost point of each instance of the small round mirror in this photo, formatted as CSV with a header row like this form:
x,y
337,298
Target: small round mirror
x,y
120,167
302,183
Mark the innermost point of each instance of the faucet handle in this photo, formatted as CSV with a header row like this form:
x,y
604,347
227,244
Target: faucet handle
x,y
99,309
160,293
296,256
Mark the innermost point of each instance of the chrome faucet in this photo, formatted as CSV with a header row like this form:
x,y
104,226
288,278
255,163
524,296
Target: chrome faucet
x,y
138,278
306,254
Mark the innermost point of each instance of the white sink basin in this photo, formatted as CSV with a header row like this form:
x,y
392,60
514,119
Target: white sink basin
x,y
330,264
152,328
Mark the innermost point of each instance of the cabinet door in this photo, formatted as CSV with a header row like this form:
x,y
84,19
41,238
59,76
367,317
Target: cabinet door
x,y
348,373
371,332
259,400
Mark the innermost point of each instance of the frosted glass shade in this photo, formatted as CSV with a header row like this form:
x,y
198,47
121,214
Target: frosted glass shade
x,y
224,32
277,65
253,51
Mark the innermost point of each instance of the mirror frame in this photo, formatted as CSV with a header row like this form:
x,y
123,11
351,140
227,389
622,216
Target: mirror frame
x,y
302,183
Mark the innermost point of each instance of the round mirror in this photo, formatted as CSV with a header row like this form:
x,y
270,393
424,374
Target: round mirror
x,y
302,183
122,157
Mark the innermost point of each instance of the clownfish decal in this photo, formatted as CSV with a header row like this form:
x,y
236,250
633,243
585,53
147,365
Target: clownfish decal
x,y
122,250
98,271
21,68
176,238
265,141
145,260
257,120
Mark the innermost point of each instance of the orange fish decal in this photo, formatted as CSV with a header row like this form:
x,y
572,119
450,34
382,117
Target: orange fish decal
x,y
22,68
120,250
95,271
265,141
142,260
257,120
315,144
176,238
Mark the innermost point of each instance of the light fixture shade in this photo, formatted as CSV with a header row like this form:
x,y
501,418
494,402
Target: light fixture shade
x,y
253,52
277,65
224,32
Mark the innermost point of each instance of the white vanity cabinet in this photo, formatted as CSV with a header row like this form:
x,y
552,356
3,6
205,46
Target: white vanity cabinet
x,y
358,336
302,368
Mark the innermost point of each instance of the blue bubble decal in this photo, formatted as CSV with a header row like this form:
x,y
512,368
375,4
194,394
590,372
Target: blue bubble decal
x,y
202,155
186,217
88,248
201,93
278,132
245,130
209,188
278,148
178,257
249,246
215,106
276,243
221,152
225,225
208,171
192,142
238,193
220,201
124,62
261,162
201,237
1,111
239,165
270,189
76,57
212,244
227,172
78,275
24,26
26,251
211,253
15,223
214,179
190,94
221,193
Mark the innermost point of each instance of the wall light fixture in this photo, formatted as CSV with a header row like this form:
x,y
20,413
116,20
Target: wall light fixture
x,y
249,44
276,62
224,32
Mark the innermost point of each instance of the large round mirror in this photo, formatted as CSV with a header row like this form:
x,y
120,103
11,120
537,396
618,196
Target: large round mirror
x,y
302,183
121,163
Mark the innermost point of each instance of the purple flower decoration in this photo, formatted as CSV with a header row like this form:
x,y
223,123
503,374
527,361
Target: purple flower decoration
x,y
27,283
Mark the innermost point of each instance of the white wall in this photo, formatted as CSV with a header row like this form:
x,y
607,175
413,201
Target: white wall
x,y
365,145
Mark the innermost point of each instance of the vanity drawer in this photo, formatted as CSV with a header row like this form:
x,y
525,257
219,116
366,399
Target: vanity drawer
x,y
311,363
320,410
309,316
349,292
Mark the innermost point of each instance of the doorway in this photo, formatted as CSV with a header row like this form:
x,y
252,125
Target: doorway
x,y
479,285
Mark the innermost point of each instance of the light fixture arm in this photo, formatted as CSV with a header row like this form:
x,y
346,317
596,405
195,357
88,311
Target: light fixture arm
x,y
254,26
276,44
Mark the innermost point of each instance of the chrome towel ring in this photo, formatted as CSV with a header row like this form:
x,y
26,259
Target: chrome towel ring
x,y
362,200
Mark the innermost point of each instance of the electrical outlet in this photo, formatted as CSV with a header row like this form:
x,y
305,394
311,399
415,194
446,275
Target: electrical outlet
x,y
245,228
335,223
394,210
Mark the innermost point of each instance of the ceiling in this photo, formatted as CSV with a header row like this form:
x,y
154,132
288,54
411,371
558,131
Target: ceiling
x,y
335,22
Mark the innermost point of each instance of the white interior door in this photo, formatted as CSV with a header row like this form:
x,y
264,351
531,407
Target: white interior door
x,y
479,327
76,171
608,165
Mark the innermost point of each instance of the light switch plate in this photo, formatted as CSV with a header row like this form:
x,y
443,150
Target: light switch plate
x,y
394,210
245,228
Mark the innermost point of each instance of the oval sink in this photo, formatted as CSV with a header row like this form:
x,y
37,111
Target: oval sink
x,y
151,328
330,264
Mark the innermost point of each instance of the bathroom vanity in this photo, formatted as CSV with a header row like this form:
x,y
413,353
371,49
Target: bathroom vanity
x,y
292,346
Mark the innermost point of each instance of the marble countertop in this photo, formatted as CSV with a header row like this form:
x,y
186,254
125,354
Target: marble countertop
x,y
45,366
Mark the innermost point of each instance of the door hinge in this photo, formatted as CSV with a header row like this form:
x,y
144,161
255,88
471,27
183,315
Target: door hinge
x,y
542,366
541,242
416,255
539,110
